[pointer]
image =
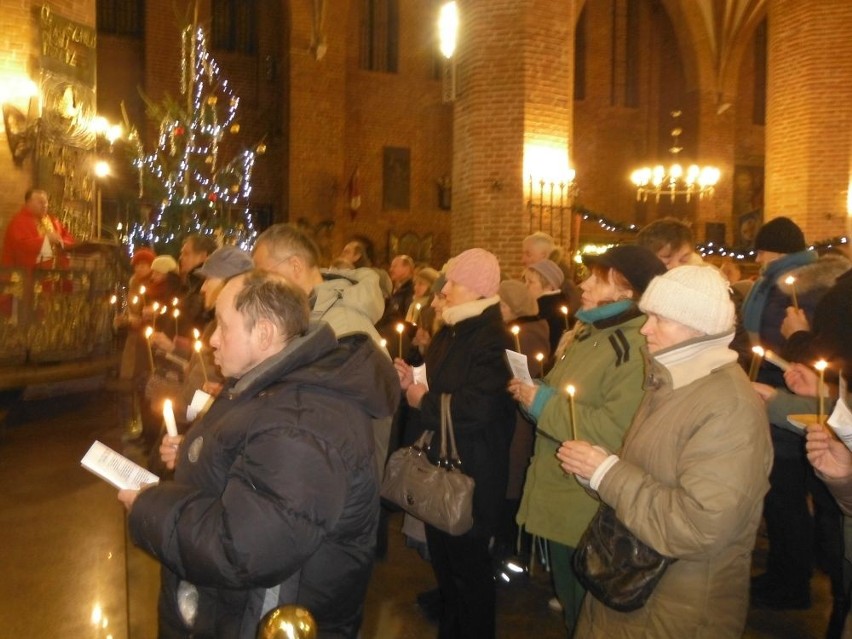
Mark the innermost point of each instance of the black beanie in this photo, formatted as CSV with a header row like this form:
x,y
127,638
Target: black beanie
x,y
780,235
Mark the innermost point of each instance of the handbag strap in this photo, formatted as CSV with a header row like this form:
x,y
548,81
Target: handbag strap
x,y
447,431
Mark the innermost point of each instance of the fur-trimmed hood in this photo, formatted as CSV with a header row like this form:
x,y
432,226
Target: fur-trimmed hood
x,y
817,275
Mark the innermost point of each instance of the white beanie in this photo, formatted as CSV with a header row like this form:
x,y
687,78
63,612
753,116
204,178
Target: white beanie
x,y
695,296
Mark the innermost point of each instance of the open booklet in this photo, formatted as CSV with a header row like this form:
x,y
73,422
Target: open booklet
x,y
116,469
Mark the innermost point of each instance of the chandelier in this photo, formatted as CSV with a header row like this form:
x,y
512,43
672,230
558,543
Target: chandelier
x,y
675,180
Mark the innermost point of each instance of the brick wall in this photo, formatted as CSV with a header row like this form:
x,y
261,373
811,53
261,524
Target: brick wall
x,y
809,113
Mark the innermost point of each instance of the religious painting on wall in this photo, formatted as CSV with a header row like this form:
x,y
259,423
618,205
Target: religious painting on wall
x,y
747,204
396,178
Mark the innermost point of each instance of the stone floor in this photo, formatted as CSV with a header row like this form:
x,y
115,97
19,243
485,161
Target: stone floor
x,y
65,557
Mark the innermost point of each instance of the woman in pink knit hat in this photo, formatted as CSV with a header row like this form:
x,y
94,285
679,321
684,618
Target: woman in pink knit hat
x,y
466,360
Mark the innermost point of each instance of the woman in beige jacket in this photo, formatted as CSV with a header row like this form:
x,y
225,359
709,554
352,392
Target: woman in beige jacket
x,y
691,476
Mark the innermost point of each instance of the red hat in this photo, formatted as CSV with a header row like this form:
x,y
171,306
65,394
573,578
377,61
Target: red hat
x,y
143,256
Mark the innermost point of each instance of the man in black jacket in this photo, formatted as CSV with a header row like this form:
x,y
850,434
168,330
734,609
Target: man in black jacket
x,y
275,497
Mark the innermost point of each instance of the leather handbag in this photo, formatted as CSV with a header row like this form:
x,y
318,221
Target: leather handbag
x,y
441,495
616,566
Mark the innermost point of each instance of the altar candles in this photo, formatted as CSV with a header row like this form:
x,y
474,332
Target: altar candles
x,y
571,390
821,365
539,357
791,282
399,329
169,418
198,346
564,310
756,360
516,331
148,332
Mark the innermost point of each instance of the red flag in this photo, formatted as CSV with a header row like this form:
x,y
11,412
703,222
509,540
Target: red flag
x,y
355,192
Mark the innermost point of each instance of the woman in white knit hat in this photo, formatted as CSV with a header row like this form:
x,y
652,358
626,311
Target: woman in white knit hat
x,y
690,478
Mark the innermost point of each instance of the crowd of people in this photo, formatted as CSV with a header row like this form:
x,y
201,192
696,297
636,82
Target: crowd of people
x,y
292,384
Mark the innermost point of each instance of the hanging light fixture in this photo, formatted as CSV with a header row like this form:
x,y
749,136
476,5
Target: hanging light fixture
x,y
693,180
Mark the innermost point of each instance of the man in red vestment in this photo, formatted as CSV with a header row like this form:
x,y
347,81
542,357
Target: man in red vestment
x,y
35,238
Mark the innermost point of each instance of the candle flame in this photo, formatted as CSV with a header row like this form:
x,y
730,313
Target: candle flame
x,y
164,310
175,313
400,327
198,346
148,332
539,356
758,350
196,333
113,299
142,290
418,306
564,310
821,365
384,343
135,299
175,301
516,329
790,280
570,390
156,306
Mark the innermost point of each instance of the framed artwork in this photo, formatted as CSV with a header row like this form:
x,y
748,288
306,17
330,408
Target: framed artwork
x,y
396,178
747,204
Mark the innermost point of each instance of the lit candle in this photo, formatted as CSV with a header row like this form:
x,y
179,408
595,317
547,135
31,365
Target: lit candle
x,y
791,282
196,334
539,357
417,308
198,346
772,358
169,418
175,301
156,311
399,329
175,314
384,343
135,300
148,332
821,365
564,310
516,331
756,359
571,390
113,300
142,291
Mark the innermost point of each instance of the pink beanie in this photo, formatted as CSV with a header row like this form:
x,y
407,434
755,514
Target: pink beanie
x,y
477,269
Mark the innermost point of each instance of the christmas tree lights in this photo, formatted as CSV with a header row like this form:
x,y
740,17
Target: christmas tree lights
x,y
195,188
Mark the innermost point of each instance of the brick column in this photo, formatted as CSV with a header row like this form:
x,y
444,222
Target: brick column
x,y
515,75
809,113
716,135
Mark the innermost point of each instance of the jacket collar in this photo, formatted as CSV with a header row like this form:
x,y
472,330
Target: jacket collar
x,y
684,363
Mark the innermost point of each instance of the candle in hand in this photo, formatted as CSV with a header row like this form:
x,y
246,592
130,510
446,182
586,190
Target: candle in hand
x,y
156,311
198,347
756,359
196,334
175,301
791,282
516,331
113,299
821,365
148,332
400,328
169,418
571,390
564,310
175,314
142,291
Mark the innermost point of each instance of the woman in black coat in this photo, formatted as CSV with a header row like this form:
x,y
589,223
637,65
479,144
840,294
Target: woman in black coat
x,y
466,359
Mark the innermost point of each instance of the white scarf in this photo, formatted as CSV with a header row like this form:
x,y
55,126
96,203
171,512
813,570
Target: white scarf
x,y
455,314
696,358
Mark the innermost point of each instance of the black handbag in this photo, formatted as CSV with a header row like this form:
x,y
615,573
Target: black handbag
x,y
616,566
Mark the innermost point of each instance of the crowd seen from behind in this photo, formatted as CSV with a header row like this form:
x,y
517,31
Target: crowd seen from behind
x,y
292,383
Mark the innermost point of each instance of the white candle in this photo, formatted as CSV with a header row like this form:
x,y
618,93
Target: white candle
x,y
169,418
571,390
791,282
399,329
148,332
564,310
516,331
756,359
821,365
198,346
539,357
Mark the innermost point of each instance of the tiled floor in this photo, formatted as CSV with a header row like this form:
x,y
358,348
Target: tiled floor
x,y
64,555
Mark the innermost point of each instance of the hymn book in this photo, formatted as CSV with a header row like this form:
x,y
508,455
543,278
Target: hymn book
x,y
116,469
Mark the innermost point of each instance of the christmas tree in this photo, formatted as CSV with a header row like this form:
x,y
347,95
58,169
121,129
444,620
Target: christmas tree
x,y
192,187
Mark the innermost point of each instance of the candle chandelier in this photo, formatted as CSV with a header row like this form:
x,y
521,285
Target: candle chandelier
x,y
675,180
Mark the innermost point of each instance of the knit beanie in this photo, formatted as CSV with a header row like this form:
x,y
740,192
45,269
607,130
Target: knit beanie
x,y
143,256
516,295
551,273
637,264
780,235
164,264
476,269
695,296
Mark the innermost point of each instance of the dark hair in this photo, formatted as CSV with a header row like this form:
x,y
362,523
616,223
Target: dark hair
x,y
29,193
201,243
367,253
284,240
613,276
268,296
667,231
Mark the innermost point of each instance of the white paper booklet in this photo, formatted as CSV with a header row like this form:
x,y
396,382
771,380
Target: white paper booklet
x,y
116,469
520,368
201,402
841,419
419,373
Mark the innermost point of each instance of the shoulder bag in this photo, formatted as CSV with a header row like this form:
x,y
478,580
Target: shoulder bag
x,y
440,495
614,565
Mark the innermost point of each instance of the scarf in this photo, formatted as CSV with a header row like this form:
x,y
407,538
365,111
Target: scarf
x,y
603,312
455,314
759,294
